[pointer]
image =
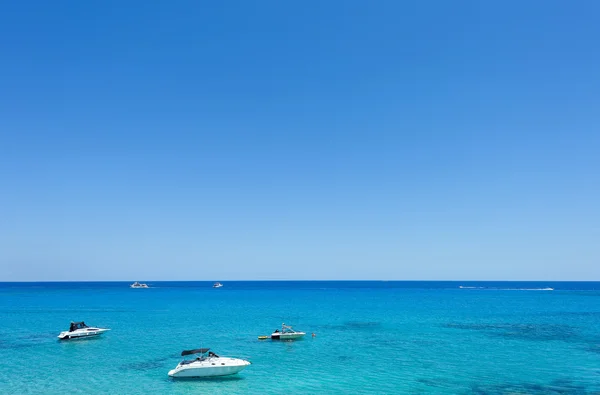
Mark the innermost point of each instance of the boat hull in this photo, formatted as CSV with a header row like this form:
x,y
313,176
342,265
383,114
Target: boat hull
x,y
287,336
210,368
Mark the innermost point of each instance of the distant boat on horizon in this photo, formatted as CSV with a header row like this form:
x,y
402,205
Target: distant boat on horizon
x,y
217,285
138,285
507,289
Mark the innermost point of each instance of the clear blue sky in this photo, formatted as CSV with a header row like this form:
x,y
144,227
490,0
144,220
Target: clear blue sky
x,y
299,140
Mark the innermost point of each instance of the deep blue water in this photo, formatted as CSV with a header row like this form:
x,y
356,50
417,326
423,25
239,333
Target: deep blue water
x,y
371,337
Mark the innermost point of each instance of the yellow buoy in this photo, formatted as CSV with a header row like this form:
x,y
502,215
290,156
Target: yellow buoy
x,y
263,337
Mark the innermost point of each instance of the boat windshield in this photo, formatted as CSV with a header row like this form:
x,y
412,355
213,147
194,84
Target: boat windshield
x,y
287,329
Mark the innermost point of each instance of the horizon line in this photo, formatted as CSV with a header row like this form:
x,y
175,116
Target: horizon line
x,y
289,280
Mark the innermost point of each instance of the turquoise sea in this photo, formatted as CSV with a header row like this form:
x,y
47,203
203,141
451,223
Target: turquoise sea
x,y
371,337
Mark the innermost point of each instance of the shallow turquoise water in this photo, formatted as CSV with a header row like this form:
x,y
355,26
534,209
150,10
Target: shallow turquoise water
x,y
372,337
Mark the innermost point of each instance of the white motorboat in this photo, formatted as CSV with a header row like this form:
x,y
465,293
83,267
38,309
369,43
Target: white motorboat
x,y
217,285
286,333
138,285
79,330
207,364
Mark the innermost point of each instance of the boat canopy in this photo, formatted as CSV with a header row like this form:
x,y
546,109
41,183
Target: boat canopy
x,y
77,325
196,351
